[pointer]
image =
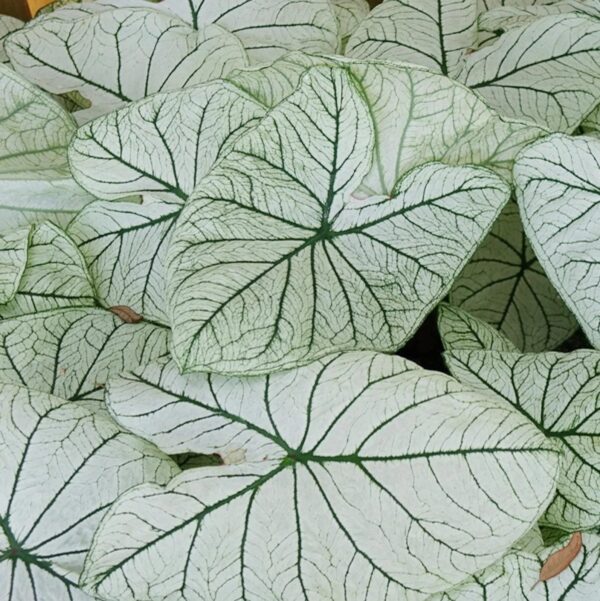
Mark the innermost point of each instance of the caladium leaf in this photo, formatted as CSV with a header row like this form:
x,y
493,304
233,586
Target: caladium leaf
x,y
306,441
559,393
432,33
349,15
13,258
505,285
143,52
72,352
547,72
267,28
34,130
459,330
558,189
285,192
591,124
54,276
62,463
515,575
8,24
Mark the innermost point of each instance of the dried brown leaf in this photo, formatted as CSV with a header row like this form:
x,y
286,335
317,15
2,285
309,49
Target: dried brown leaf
x,y
560,560
127,314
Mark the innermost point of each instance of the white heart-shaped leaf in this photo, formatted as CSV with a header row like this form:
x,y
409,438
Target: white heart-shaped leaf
x,y
54,275
62,464
432,33
317,271
13,258
547,72
558,189
505,285
72,352
8,24
142,52
459,330
516,574
399,476
559,393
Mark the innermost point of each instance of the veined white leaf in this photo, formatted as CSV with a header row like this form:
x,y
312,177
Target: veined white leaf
x,y
13,258
547,72
8,24
28,201
267,28
432,461
34,130
432,33
558,189
418,117
72,352
62,464
591,124
349,15
508,17
274,264
459,330
125,246
141,51
559,393
505,285
515,574
54,276
485,5
162,145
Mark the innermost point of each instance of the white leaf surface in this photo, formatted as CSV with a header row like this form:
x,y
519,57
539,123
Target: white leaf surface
x,y
432,33
318,271
72,352
116,56
267,28
349,15
505,285
8,24
62,464
459,330
558,189
54,276
430,458
559,393
13,258
34,130
547,72
514,576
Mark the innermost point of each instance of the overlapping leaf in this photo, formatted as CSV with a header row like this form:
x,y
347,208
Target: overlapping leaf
x,y
274,264
558,188
559,393
432,33
72,352
461,331
8,24
13,258
430,458
142,52
62,464
54,276
547,72
349,15
505,285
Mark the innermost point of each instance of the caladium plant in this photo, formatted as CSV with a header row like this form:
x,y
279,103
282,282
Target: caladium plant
x,y
222,222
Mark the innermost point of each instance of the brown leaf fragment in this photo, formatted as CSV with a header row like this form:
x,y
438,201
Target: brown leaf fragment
x,y
127,314
560,560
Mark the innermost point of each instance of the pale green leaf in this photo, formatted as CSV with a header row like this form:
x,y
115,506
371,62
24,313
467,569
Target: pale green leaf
x,y
558,189
62,464
8,24
34,130
560,394
143,52
591,123
274,263
349,14
514,577
55,275
459,330
432,33
505,285
72,352
13,258
430,458
547,72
